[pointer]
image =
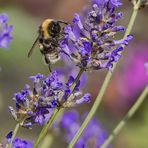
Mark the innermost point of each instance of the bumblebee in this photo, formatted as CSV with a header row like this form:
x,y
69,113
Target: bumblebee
x,y
49,34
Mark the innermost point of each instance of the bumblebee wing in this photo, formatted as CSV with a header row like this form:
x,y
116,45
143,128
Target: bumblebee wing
x,y
34,44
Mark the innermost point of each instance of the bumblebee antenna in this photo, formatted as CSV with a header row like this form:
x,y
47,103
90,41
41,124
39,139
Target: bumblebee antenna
x,y
66,23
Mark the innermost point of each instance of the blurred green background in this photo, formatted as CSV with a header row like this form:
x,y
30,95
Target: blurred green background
x,y
126,85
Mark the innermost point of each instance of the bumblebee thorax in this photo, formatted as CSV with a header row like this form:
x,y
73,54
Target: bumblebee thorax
x,y
50,28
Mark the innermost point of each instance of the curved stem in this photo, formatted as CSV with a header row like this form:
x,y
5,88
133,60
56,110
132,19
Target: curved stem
x,y
76,79
122,123
13,135
133,18
47,141
105,83
45,128
47,125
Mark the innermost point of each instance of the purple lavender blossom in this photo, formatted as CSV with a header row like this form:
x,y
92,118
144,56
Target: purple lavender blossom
x,y
9,136
93,136
5,29
47,94
90,41
18,143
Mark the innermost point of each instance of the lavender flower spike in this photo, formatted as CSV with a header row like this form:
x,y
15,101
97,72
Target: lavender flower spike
x,y
93,136
18,143
5,30
47,94
90,40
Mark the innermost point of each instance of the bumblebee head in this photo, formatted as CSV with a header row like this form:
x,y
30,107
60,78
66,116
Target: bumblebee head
x,y
54,28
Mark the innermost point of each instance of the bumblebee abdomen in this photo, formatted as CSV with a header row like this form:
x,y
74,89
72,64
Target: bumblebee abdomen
x,y
52,57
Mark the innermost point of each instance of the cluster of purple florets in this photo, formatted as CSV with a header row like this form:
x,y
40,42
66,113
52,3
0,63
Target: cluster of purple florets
x,y
5,30
35,103
18,143
90,41
93,136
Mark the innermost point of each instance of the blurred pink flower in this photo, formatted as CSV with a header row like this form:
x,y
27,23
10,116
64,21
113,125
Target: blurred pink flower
x,y
146,67
133,78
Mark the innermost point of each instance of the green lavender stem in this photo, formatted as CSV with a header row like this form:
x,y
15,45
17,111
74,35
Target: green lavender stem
x,y
122,123
45,128
105,83
47,141
13,135
47,125
76,79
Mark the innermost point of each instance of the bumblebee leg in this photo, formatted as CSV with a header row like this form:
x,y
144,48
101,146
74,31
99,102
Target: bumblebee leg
x,y
48,63
49,67
61,35
55,43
